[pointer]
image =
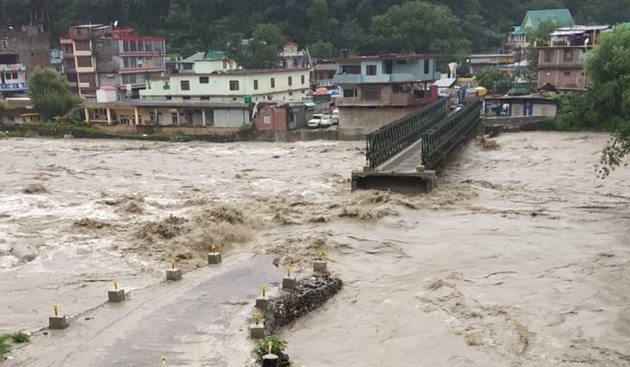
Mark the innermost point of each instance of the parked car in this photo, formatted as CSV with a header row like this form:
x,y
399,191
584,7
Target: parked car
x,y
315,121
326,121
335,117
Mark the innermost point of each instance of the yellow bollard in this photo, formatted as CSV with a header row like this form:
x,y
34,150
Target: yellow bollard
x,y
288,268
256,318
172,263
115,282
164,361
320,254
55,309
270,344
213,248
263,289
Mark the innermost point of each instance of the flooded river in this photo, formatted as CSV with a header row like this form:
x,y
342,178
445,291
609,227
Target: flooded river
x,y
521,257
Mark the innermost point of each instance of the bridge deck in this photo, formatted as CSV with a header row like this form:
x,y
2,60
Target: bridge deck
x,y
402,173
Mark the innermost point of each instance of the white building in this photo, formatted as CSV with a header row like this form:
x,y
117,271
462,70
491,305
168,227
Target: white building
x,y
218,79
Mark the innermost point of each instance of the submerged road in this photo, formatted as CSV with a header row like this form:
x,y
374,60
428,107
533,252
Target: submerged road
x,y
201,320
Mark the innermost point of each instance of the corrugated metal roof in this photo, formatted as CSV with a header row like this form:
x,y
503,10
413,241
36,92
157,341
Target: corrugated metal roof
x,y
533,18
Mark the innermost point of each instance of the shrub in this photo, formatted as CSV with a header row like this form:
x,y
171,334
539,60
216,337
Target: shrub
x,y
278,345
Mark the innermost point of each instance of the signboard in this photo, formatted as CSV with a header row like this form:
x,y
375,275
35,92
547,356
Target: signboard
x,y
13,86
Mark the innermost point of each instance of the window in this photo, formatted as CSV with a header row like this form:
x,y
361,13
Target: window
x,y
129,78
290,81
370,69
233,84
188,66
568,55
303,79
204,80
7,76
4,43
401,62
255,84
351,69
126,46
84,61
349,93
273,82
547,55
427,66
567,73
148,46
371,94
81,45
204,98
184,85
186,98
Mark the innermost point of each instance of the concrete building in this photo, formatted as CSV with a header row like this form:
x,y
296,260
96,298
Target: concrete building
x,y
479,63
377,90
97,55
108,110
324,74
517,40
22,49
561,61
292,57
519,106
215,78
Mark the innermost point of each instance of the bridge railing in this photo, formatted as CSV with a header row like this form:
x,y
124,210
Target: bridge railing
x,y
442,139
391,139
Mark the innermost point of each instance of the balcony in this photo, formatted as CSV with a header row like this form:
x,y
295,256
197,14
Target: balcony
x,y
380,79
13,87
12,67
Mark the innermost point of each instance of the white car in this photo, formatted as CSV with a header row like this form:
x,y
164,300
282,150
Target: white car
x,y
315,121
326,121
335,117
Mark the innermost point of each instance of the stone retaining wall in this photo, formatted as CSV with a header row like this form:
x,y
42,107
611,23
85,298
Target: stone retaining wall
x,y
310,293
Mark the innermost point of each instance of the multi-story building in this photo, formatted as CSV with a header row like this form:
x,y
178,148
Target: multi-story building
x,y
478,63
292,57
12,75
216,78
324,74
97,55
561,61
22,49
377,90
517,40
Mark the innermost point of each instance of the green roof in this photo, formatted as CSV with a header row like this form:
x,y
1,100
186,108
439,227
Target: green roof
x,y
533,18
214,55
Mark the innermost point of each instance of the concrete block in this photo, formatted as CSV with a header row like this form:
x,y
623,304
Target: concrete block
x,y
57,322
320,266
270,360
214,258
262,303
257,331
116,296
420,169
289,283
173,274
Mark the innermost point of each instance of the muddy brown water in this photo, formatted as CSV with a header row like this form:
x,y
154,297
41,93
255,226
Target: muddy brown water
x,y
519,258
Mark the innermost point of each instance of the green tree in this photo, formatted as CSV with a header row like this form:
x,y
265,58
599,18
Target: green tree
x,y
50,93
608,67
260,51
495,81
321,50
417,26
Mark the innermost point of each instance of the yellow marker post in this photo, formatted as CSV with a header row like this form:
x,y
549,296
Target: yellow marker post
x,y
263,289
256,318
115,282
55,309
320,254
213,248
164,361
172,263
270,344
288,271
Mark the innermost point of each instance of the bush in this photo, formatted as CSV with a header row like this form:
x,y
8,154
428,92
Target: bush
x,y
19,337
278,345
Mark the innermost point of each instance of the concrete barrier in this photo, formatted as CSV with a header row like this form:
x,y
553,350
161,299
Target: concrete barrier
x,y
309,294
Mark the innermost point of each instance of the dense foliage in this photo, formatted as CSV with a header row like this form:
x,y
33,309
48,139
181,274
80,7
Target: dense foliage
x,y
451,27
50,93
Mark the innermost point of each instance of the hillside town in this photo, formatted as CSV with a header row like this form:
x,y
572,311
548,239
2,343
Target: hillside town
x,y
128,80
